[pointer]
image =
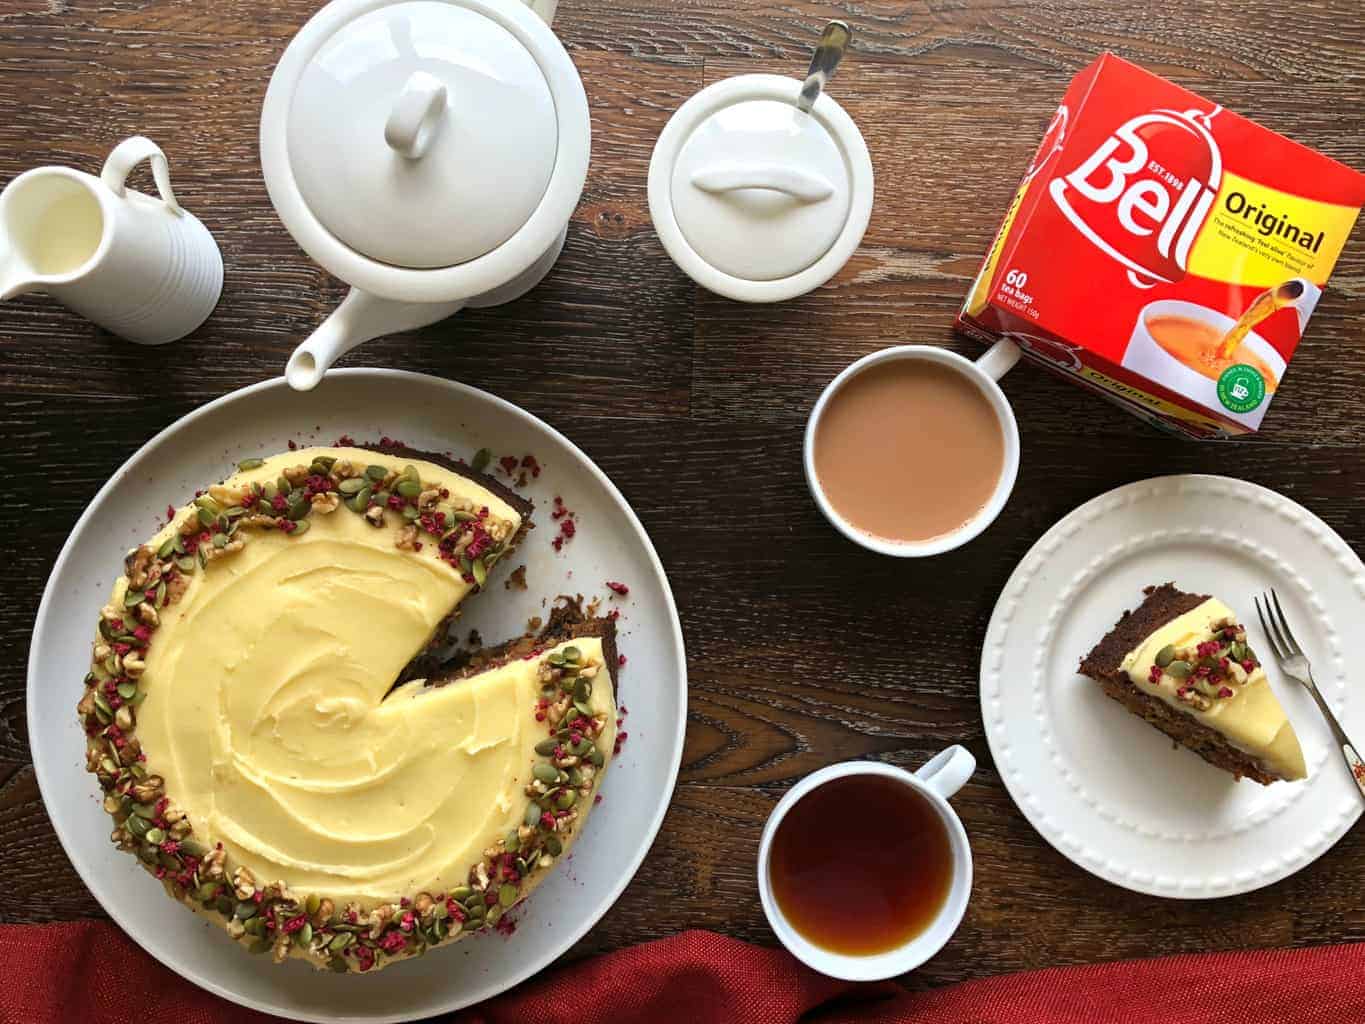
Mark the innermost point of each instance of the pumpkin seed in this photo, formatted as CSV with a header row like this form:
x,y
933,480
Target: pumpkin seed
x,y
549,691
493,915
208,891
480,571
584,747
523,868
575,777
133,598
260,946
463,516
507,894
203,557
108,766
465,567
408,488
193,847
155,835
440,911
410,513
460,893
513,843
376,472
556,659
532,816
312,904
382,497
102,703
208,504
284,485
187,565
597,757
410,473
352,485
245,910
582,709
220,541
553,846
179,546
1166,655
582,689
137,700
471,923
566,799
474,906
305,936
1239,652
167,546
326,462
249,464
572,655
225,904
148,854
340,941
337,965
1251,655
361,501
207,518
255,926
1179,669
546,773
136,825
546,747
298,508
482,458
302,526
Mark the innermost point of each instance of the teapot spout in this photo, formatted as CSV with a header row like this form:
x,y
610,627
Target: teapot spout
x,y
360,317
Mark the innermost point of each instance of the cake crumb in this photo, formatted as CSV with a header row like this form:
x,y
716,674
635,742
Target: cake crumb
x,y
517,579
533,623
475,640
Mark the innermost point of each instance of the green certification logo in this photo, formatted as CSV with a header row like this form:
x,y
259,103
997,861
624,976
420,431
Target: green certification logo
x,y
1241,388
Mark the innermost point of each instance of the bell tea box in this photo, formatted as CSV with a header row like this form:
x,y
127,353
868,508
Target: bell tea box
x,y
1164,252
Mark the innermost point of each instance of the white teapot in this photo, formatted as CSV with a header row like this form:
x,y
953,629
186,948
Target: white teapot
x,y
429,153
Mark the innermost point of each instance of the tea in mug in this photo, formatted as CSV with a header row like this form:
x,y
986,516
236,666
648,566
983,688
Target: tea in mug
x,y
861,865
1142,193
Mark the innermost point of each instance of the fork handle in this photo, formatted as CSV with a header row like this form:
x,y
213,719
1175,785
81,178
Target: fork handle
x,y
1354,764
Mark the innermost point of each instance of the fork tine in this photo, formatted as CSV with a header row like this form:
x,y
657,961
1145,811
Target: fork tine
x,y
1265,628
1294,647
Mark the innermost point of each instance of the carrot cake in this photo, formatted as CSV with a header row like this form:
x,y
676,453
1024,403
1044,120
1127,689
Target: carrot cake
x,y
265,754
1182,663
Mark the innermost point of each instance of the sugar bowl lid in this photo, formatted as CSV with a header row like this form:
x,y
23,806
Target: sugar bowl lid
x,y
754,198
421,134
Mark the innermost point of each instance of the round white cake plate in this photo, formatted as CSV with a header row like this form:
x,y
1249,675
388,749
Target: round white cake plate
x,y
427,413
1103,787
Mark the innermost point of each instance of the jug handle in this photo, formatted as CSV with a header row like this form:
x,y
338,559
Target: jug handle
x,y
127,155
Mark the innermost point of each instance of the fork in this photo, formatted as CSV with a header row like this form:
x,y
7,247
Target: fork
x,y
1294,664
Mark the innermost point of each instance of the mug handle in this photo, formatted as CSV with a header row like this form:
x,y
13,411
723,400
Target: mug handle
x,y
948,770
127,155
545,8
999,359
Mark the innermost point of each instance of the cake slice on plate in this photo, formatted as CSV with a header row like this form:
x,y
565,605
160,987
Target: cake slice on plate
x,y
1182,663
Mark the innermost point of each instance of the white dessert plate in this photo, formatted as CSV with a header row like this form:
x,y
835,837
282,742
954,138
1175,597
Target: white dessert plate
x,y
1106,789
610,544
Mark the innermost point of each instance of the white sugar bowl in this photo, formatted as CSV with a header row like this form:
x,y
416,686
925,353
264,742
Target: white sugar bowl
x,y
753,197
429,153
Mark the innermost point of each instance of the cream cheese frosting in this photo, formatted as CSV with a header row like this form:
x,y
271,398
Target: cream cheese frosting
x,y
267,712
1251,719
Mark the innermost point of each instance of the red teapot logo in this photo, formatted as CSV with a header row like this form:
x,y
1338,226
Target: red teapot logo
x,y
1143,195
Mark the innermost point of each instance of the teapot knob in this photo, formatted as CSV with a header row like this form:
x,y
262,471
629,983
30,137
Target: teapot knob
x,y
416,115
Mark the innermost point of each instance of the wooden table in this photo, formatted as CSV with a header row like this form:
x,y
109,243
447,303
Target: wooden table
x,y
804,649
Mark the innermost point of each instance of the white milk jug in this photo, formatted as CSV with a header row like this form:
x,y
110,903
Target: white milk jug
x,y
142,268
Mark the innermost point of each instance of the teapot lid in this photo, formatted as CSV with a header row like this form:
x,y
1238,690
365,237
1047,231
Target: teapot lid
x,y
754,198
422,133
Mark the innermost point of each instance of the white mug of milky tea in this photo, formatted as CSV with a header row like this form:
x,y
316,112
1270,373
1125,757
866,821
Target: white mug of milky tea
x,y
913,450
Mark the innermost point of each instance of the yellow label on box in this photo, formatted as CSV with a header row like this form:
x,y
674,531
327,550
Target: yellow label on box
x,y
1258,236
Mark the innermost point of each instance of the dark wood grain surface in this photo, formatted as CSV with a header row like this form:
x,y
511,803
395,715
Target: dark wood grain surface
x,y
680,395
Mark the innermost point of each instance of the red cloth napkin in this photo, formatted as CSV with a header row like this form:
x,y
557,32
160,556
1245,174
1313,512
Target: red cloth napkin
x,y
69,973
